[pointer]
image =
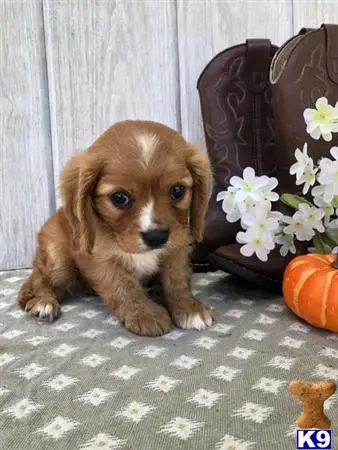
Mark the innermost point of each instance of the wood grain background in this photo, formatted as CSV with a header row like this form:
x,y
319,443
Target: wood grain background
x,y
70,68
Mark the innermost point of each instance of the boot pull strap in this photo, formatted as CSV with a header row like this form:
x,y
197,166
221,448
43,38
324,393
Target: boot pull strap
x,y
331,38
258,59
305,30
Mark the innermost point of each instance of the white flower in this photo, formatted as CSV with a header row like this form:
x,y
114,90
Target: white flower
x,y
313,216
297,225
308,178
255,242
248,187
267,190
322,120
229,205
287,243
261,219
303,160
328,177
319,201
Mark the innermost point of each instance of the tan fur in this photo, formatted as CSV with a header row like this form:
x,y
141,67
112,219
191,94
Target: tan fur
x,y
89,241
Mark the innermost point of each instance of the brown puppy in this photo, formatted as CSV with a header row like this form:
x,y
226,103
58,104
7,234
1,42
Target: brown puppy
x,y
131,203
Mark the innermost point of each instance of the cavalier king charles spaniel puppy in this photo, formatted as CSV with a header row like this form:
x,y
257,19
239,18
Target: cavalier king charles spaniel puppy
x,y
131,206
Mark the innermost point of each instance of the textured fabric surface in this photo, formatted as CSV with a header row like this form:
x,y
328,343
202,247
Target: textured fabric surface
x,y
84,382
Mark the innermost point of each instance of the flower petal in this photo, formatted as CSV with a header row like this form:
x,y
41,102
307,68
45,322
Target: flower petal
x,y
246,250
311,126
334,152
315,134
307,114
249,173
241,237
262,254
236,181
221,195
327,136
240,197
321,102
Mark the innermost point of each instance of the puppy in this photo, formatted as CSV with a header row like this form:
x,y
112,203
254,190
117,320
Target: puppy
x,y
131,205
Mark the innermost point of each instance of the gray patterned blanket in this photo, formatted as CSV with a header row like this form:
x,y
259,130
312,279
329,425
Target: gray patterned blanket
x,y
84,382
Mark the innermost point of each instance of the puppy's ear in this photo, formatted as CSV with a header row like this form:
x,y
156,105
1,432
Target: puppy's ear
x,y
200,168
77,184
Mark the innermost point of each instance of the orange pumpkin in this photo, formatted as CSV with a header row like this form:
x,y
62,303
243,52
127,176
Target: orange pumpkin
x,y
310,289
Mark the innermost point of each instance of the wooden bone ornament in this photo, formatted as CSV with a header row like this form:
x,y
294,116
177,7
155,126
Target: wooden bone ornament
x,y
313,395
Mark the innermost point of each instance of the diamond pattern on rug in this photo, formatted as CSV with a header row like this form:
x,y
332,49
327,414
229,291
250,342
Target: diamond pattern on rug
x,y
85,383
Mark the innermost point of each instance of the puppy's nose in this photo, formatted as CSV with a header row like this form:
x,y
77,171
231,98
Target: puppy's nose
x,y
155,238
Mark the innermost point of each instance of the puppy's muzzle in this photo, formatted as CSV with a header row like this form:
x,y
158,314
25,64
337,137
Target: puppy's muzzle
x,y
155,238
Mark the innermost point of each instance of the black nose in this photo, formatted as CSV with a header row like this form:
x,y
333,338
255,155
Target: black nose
x,y
155,238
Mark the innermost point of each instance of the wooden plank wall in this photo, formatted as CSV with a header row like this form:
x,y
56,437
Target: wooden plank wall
x,y
26,173
71,68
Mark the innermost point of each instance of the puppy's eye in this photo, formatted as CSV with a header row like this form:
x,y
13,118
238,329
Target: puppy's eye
x,y
121,199
177,192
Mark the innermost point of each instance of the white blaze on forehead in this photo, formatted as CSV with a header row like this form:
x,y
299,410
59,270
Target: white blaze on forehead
x,y
147,143
146,216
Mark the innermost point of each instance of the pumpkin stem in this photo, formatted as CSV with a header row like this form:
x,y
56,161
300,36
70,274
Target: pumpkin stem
x,y
335,263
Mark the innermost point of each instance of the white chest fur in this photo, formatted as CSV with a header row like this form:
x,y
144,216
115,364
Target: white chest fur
x,y
146,264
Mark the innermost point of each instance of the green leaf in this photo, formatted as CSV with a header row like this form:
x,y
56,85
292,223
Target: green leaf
x,y
334,202
333,235
293,200
328,240
319,243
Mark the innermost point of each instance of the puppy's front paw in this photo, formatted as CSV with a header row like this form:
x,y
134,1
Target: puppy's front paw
x,y
191,314
152,320
43,309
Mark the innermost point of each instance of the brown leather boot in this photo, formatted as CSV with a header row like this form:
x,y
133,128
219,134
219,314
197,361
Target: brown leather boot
x,y
304,69
235,99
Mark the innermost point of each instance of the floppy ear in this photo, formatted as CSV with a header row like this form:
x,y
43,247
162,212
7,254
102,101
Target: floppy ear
x,y
200,168
78,180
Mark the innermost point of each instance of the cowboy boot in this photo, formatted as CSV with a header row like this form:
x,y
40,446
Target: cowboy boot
x,y
236,105
304,69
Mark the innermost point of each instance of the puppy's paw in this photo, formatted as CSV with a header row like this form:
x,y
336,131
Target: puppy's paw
x,y
152,320
191,314
43,309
